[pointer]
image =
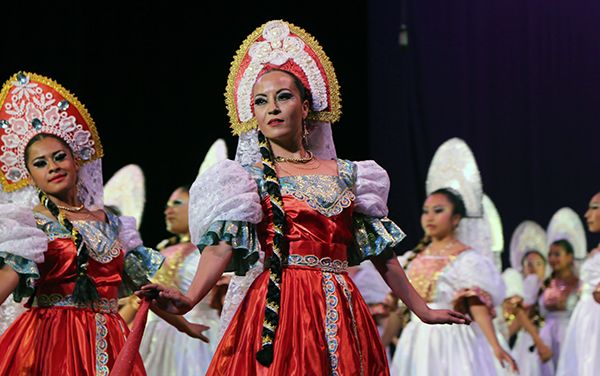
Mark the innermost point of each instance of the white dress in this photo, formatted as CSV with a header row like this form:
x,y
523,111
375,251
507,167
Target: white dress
x,y
166,351
555,328
582,341
524,351
452,350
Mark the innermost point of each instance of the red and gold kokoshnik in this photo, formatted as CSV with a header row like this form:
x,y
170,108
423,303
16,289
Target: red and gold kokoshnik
x,y
279,44
31,104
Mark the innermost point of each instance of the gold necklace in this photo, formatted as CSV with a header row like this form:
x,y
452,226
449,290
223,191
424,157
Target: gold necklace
x,y
74,209
280,167
310,157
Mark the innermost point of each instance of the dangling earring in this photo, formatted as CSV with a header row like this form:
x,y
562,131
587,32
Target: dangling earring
x,y
305,133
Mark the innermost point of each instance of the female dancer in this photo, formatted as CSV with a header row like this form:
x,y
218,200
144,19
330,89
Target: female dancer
x,y
582,339
309,212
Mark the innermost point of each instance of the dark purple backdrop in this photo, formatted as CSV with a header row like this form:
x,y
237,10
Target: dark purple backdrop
x,y
518,80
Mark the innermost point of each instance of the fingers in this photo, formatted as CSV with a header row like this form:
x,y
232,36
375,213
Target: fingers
x,y
203,338
459,318
152,286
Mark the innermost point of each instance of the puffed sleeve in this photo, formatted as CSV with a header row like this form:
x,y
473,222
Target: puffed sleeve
x,y
374,233
472,275
141,263
22,245
225,206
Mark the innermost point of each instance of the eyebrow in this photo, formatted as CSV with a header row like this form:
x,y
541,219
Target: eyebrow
x,y
51,154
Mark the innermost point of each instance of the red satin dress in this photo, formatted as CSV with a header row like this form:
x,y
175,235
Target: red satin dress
x,y
55,337
325,327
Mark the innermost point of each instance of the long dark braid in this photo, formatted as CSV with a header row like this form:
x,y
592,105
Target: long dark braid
x,y
277,259
85,290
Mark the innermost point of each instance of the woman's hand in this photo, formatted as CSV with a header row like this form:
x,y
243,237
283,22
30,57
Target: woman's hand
x,y
545,352
444,316
169,300
196,331
506,360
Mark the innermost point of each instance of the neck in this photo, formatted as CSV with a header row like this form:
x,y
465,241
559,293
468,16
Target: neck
x,y
67,199
292,149
441,241
184,238
564,274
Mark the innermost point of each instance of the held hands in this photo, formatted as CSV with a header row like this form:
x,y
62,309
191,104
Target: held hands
x,y
444,316
167,299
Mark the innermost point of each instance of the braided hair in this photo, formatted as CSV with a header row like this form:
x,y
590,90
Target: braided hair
x,y
279,256
85,290
458,207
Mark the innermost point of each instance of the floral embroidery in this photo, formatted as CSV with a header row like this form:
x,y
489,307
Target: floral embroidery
x,y
326,264
101,238
101,345
103,305
331,319
323,193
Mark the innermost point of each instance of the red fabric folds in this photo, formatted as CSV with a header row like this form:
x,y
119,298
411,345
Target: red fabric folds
x,y
55,338
309,313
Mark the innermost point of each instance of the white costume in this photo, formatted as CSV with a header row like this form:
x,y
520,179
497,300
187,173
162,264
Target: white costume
x,y
527,237
564,225
446,280
582,341
164,349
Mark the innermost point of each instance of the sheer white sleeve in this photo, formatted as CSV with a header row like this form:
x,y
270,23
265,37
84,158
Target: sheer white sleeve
x,y
19,234
224,192
371,188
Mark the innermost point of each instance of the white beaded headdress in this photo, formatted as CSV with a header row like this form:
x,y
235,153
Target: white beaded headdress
x,y
32,104
280,45
126,190
528,236
454,167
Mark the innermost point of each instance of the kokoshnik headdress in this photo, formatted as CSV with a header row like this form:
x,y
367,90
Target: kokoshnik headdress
x,y
565,224
215,154
454,167
281,45
126,190
528,236
495,223
32,104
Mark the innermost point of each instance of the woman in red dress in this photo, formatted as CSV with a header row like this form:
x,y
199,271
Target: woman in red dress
x,y
311,215
68,256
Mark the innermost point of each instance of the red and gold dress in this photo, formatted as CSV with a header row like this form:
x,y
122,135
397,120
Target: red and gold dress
x,y
55,336
325,327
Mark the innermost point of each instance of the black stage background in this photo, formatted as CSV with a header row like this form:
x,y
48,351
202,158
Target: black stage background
x,y
518,81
